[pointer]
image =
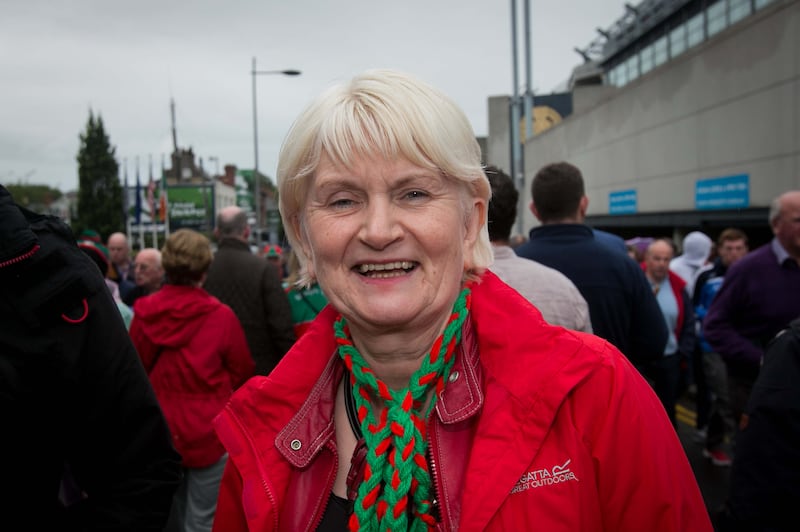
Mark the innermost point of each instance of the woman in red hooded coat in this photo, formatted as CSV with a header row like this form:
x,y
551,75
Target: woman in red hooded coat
x,y
196,355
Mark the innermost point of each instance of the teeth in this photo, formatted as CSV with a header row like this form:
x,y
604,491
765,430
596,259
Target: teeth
x,y
399,265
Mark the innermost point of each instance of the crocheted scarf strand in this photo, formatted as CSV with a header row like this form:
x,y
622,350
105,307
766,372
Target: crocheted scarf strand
x,y
396,467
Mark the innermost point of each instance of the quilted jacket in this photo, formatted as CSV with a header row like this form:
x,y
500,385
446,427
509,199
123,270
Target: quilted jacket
x,y
252,288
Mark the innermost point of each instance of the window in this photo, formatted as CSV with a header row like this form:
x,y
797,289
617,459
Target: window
x,y
661,51
717,18
633,67
611,77
694,30
677,41
647,59
762,3
738,9
621,74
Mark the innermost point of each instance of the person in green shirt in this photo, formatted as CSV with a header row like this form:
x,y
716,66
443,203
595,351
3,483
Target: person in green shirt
x,y
305,302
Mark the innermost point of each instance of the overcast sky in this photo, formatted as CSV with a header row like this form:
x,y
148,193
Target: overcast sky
x,y
127,60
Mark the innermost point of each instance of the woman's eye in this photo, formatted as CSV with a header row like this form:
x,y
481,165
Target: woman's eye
x,y
416,194
341,203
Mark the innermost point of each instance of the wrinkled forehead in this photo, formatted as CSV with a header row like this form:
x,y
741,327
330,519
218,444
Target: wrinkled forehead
x,y
790,206
117,241
147,257
659,250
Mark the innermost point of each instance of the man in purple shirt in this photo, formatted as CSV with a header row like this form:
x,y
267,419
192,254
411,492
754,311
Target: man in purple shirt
x,y
759,297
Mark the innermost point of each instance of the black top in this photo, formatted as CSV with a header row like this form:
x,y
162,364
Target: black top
x,y
765,477
336,515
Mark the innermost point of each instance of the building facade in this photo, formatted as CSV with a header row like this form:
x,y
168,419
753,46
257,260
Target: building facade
x,y
693,121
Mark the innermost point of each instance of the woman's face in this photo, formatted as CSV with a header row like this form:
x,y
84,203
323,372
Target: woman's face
x,y
387,241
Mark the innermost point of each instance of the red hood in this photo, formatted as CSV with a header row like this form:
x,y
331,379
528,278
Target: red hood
x,y
167,316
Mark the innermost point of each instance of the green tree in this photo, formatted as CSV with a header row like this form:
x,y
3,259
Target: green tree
x,y
99,192
34,197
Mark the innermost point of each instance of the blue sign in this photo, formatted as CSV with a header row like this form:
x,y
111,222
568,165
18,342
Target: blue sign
x,y
622,202
730,192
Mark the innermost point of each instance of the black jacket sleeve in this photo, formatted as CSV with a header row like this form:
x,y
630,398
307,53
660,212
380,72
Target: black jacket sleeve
x,y
279,318
73,394
765,478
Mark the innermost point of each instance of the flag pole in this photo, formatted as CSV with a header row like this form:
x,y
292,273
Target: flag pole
x,y
139,206
164,199
151,202
126,199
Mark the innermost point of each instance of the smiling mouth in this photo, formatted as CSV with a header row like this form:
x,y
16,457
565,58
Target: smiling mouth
x,y
385,271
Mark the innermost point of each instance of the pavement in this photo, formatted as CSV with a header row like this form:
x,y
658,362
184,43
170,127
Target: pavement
x,y
713,480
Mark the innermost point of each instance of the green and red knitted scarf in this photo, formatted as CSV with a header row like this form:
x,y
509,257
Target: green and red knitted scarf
x,y
396,467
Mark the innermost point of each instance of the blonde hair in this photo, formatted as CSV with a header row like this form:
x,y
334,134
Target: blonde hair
x,y
186,256
392,115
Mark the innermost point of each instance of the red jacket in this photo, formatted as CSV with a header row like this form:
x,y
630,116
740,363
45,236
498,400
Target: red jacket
x,y
195,352
540,428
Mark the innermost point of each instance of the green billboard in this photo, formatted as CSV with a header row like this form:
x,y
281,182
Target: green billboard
x,y
191,206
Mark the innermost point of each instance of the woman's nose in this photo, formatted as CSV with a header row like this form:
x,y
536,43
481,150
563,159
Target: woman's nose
x,y
380,227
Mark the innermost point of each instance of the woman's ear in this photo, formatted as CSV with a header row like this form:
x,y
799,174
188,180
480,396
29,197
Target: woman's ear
x,y
475,222
298,227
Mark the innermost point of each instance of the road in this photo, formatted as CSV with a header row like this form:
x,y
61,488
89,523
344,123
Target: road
x,y
713,480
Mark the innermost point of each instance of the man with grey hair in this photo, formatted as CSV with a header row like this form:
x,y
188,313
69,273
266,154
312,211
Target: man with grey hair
x,y
251,286
122,271
758,298
148,274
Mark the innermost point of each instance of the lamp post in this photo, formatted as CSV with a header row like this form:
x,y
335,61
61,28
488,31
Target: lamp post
x,y
216,165
257,200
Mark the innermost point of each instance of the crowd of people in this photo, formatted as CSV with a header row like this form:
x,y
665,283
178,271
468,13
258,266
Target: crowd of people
x,y
403,362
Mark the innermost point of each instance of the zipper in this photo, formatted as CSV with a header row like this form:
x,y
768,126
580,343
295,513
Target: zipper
x,y
271,501
264,484
433,450
20,258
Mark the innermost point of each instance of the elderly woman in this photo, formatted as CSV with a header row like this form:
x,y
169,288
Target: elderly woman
x,y
195,352
428,394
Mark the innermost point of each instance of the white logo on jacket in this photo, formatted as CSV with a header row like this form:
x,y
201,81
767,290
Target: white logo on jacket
x,y
545,477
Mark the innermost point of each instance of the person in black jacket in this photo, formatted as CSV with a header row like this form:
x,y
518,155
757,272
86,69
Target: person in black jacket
x,y
622,307
84,442
251,286
765,478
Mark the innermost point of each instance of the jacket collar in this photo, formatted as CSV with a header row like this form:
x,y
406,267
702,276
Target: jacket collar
x,y
233,243
483,356
311,428
575,230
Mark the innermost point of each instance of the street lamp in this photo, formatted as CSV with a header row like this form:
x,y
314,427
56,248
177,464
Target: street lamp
x,y
216,164
257,199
